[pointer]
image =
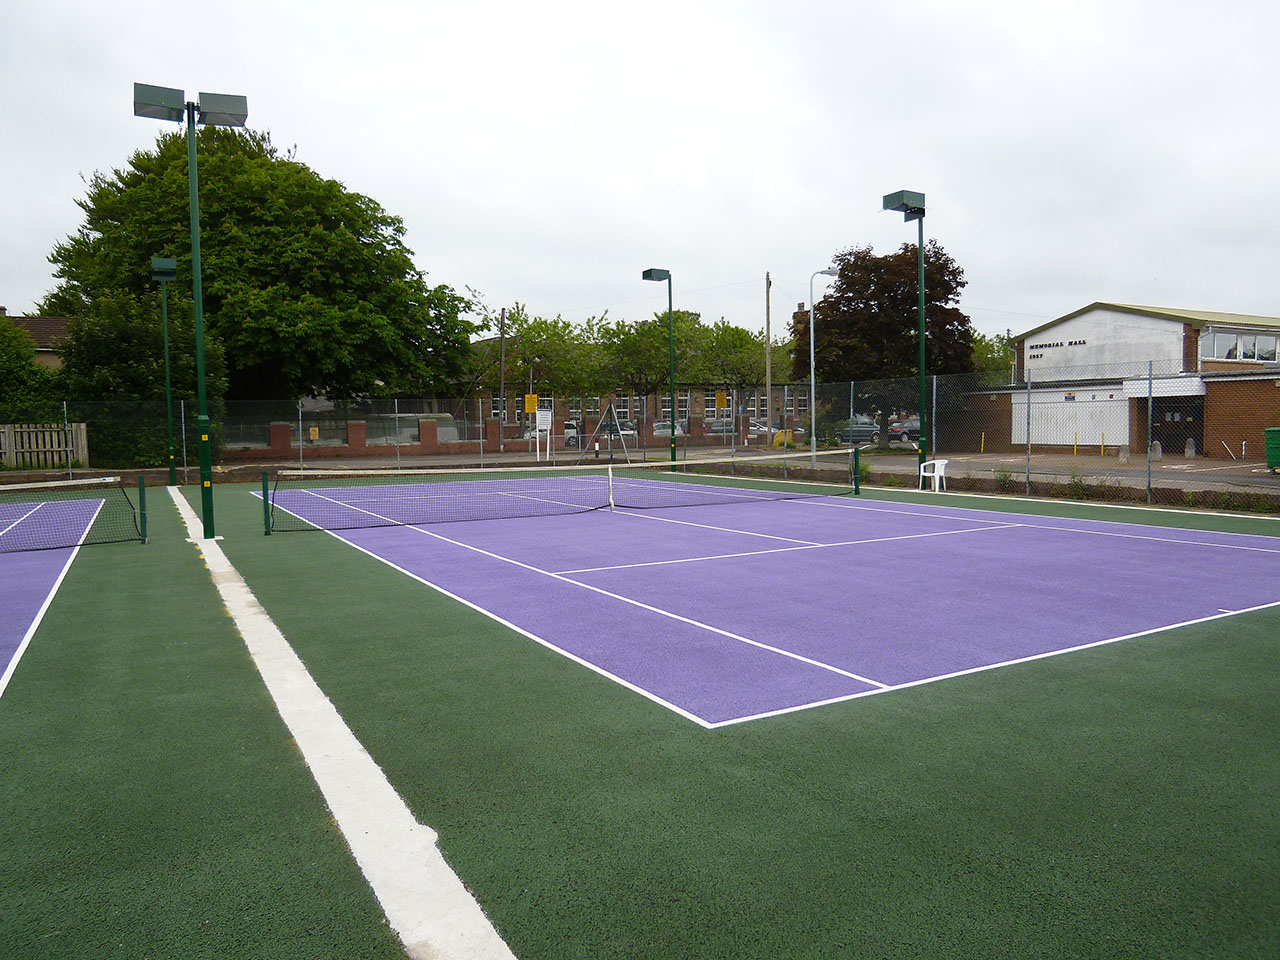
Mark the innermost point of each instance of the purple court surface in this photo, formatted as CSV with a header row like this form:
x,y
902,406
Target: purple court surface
x,y
736,612
29,578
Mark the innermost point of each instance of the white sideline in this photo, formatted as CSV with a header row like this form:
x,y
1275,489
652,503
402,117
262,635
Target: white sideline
x,y
424,901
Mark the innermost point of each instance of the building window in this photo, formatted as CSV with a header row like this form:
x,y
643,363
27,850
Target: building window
x,y
682,405
802,401
1267,347
709,405
575,408
495,408
622,407
593,406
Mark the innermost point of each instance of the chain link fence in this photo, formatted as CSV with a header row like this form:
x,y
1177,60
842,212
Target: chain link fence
x,y
1142,432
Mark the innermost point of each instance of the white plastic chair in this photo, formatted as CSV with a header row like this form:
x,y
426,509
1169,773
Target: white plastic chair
x,y
937,470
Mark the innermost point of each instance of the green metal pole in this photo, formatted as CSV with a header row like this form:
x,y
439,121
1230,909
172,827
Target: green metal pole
x,y
142,507
168,388
197,295
924,428
671,344
266,503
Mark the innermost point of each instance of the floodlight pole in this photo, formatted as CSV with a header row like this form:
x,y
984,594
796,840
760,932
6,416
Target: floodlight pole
x,y
165,270
655,273
813,377
911,205
197,296
167,103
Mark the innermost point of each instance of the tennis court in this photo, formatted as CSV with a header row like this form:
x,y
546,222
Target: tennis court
x,y
709,730
746,607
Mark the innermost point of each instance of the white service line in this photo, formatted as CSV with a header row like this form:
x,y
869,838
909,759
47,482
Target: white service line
x,y
810,546
627,512
424,901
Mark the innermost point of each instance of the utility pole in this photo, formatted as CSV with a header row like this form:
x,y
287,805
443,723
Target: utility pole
x,y
502,376
768,369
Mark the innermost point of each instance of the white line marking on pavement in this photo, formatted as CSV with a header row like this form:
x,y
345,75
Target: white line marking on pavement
x,y
424,901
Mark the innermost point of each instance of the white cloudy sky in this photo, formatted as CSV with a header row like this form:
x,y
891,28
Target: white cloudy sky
x,y
548,152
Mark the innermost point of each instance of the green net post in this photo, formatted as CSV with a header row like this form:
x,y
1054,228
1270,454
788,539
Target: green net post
x,y
142,507
266,502
857,471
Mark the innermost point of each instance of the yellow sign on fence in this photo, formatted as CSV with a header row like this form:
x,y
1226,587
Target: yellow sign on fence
x,y
722,400
530,403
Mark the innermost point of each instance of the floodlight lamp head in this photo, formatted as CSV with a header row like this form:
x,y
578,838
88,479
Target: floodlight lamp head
x,y
656,273
223,110
158,103
907,202
830,272
164,269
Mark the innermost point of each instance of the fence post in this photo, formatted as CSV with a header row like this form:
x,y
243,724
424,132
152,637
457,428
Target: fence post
x,y
301,466
1028,433
66,442
395,410
1150,424
933,421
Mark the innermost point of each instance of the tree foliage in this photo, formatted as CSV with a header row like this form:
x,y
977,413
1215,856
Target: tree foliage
x,y
600,356
992,354
24,383
867,325
308,286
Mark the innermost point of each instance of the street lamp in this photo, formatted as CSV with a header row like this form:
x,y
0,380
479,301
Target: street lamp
x,y
215,109
165,270
813,378
655,273
911,205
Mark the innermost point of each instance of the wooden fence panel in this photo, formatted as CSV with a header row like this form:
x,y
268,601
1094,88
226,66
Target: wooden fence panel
x,y
43,446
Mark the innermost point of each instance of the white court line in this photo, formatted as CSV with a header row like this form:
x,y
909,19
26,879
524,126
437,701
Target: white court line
x,y
995,666
424,901
1050,526
44,607
630,512
812,546
628,600
23,517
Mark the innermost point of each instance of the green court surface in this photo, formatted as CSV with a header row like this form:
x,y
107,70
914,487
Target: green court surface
x,y
1121,801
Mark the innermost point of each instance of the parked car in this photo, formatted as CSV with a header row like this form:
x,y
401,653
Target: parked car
x,y
720,427
662,428
907,431
572,433
860,429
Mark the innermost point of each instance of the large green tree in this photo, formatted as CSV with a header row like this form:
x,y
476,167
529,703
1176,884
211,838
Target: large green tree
x,y
867,325
308,287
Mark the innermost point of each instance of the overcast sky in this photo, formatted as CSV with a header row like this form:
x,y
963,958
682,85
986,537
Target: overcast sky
x,y
548,152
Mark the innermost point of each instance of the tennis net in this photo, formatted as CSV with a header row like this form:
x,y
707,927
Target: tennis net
x,y
348,499
66,513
